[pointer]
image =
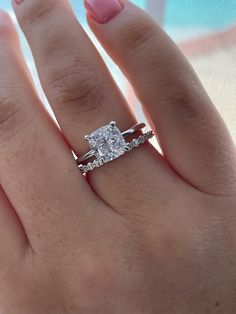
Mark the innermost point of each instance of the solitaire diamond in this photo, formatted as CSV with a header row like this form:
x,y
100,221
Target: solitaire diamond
x,y
107,143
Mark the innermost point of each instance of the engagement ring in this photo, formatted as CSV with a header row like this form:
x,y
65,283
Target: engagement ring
x,y
108,143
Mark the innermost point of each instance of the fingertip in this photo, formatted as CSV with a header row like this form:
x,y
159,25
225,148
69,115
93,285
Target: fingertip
x,y
5,18
6,25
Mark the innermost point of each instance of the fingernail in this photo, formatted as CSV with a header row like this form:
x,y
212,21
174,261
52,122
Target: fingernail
x,y
103,10
18,1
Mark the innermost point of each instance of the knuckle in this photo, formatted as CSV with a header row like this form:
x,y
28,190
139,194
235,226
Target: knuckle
x,y
15,117
78,87
136,34
8,112
35,13
185,102
54,42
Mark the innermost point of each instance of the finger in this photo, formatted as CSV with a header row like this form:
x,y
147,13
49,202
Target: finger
x,y
79,87
13,240
37,170
76,83
192,135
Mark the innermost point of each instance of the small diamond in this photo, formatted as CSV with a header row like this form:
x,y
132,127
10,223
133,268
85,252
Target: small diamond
x,y
101,162
90,166
96,163
136,142
127,147
108,143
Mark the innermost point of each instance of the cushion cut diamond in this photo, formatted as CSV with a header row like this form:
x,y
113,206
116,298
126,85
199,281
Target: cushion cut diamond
x,y
107,143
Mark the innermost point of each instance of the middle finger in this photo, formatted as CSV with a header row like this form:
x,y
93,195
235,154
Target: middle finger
x,y
80,89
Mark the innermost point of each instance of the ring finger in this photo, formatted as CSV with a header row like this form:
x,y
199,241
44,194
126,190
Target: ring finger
x,y
79,87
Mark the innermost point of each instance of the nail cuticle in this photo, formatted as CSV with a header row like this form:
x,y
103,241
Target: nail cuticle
x,y
103,11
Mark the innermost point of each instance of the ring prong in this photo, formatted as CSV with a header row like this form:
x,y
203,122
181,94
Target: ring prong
x,y
112,124
87,137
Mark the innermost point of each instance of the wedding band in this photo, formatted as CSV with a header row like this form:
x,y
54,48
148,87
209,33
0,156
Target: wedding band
x,y
108,143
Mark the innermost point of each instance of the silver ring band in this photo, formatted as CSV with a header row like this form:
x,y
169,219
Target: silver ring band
x,y
90,154
128,147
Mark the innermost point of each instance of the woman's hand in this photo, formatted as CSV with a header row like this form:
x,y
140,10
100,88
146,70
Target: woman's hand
x,y
147,233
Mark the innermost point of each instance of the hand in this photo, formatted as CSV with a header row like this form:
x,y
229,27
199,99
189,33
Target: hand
x,y
147,233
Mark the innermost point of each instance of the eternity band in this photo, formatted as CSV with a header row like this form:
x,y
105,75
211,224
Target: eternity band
x,y
108,143
129,146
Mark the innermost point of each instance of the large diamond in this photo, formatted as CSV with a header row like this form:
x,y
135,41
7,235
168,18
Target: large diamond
x,y
107,143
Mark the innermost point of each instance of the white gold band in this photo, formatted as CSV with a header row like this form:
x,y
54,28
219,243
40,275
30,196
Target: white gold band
x,y
127,148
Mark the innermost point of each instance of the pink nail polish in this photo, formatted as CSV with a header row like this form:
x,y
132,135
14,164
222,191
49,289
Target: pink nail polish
x,y
18,1
103,10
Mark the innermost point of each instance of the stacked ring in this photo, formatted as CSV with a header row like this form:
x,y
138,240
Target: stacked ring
x,y
108,143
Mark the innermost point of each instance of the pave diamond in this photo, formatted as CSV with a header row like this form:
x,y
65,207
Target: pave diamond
x,y
107,142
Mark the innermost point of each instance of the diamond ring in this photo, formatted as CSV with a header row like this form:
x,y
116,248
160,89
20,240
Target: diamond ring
x,y
106,132
108,143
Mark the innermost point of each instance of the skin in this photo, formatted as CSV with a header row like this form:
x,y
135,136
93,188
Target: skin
x,y
148,233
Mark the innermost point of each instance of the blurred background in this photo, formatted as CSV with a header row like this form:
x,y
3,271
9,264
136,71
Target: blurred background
x,y
205,31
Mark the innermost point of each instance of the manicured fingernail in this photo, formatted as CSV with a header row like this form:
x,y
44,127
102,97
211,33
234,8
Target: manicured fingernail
x,y
19,1
103,10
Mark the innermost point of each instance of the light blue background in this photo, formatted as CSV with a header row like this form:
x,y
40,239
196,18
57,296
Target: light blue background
x,y
207,14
